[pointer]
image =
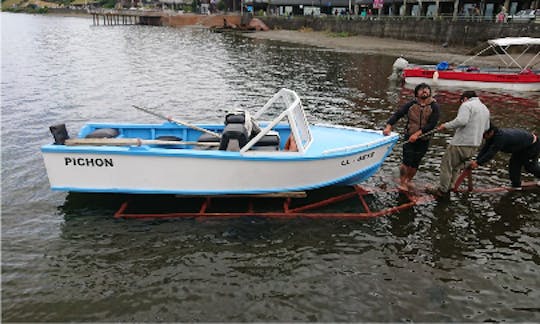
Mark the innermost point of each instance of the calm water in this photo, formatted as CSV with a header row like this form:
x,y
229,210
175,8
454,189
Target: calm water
x,y
64,257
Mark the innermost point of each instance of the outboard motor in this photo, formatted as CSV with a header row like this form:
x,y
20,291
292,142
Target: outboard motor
x,y
60,134
398,67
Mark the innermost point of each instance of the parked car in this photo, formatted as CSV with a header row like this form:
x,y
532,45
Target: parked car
x,y
527,15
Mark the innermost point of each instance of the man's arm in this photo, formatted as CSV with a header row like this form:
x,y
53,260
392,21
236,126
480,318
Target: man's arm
x,y
402,111
489,150
462,118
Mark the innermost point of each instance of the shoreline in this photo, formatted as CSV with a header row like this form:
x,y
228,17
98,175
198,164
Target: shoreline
x,y
411,50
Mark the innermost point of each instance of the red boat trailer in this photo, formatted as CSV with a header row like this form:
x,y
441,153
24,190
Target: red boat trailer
x,y
467,174
294,205
290,207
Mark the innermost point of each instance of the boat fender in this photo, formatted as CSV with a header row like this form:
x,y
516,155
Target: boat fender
x,y
103,133
442,66
59,133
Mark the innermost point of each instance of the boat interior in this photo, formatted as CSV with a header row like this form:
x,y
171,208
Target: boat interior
x,y
230,137
288,130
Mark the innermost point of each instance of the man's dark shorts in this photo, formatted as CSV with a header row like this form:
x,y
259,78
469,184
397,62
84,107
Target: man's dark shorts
x,y
414,152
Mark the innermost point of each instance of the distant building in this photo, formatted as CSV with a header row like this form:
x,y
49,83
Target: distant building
x,y
486,9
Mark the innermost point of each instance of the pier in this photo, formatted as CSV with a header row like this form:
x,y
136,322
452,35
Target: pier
x,y
126,17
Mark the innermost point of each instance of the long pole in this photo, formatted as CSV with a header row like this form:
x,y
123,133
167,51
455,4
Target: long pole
x,y
130,142
148,111
423,135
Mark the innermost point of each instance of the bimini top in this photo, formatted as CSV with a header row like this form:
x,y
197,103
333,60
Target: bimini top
x,y
509,41
511,59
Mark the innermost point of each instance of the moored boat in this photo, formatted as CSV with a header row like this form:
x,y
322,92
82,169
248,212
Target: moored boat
x,y
241,156
511,74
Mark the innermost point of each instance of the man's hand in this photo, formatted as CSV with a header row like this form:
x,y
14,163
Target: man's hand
x,y
387,130
414,137
441,127
473,165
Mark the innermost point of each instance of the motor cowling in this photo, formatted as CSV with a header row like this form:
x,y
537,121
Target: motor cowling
x,y
59,133
400,64
397,68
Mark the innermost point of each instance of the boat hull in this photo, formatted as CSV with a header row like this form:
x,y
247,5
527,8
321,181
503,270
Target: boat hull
x,y
507,81
151,171
180,158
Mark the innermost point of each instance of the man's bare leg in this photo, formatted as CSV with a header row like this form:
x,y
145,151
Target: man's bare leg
x,y
411,172
403,177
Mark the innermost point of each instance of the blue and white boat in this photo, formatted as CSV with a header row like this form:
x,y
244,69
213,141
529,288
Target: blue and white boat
x,y
240,156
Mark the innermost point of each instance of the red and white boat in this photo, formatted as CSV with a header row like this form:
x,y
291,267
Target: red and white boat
x,y
511,74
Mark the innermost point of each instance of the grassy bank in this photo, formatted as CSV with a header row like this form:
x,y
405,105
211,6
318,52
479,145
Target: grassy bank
x,y
28,6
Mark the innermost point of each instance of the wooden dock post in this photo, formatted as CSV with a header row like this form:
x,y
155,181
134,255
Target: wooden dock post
x,y
126,17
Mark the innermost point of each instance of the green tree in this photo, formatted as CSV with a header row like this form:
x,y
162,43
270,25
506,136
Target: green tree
x,y
221,5
107,3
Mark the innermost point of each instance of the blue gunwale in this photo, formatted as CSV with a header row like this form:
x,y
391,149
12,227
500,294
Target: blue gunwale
x,y
325,137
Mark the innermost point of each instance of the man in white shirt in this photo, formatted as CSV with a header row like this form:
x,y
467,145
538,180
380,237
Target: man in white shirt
x,y
470,124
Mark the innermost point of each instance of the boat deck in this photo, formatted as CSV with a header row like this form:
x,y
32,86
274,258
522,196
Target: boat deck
x,y
326,139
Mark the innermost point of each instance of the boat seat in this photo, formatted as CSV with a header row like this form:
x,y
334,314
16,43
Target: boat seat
x,y
103,133
244,118
207,138
235,118
234,137
269,142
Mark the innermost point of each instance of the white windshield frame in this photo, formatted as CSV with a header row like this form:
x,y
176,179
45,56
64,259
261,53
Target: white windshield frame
x,y
296,117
